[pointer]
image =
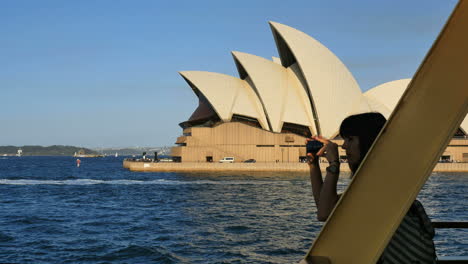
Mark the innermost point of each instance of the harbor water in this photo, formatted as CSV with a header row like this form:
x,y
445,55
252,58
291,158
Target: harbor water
x,y
54,212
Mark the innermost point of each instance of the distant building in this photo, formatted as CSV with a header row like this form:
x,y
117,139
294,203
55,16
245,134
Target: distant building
x,y
268,111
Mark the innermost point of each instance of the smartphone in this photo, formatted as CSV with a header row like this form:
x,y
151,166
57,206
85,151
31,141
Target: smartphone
x,y
313,146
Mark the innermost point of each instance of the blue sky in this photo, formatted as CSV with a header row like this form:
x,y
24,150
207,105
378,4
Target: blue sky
x,y
104,73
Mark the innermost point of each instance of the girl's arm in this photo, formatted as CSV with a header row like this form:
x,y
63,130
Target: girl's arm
x,y
324,192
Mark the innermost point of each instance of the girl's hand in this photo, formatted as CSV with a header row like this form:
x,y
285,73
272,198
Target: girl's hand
x,y
329,149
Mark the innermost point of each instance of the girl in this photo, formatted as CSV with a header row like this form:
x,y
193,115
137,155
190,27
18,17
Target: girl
x,y
412,242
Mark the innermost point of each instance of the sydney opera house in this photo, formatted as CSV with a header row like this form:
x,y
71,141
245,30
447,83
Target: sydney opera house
x,y
267,112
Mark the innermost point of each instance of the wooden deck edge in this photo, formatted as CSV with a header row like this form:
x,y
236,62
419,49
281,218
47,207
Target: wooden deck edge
x,y
253,167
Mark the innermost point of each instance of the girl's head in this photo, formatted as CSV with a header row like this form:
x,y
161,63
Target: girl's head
x,y
359,132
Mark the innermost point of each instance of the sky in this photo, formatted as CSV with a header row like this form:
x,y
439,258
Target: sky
x,y
105,73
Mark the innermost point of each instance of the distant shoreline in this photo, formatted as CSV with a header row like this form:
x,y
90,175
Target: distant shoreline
x,y
25,155
54,150
62,150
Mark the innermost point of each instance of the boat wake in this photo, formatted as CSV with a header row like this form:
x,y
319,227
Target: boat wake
x,y
136,182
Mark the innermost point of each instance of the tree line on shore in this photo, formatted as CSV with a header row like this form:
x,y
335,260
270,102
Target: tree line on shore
x,y
55,150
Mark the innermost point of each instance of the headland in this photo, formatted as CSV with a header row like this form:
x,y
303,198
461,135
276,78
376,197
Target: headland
x,y
54,150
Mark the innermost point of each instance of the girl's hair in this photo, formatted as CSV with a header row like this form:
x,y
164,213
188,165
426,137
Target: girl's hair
x,y
365,126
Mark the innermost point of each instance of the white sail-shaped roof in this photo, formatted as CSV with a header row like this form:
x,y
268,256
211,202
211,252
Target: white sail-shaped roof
x,y
279,90
308,85
276,60
388,94
464,125
363,105
298,101
227,95
332,89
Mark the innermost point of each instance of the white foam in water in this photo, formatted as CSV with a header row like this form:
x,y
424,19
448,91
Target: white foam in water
x,y
130,182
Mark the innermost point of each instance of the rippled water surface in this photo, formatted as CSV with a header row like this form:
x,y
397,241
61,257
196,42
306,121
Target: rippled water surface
x,y
54,212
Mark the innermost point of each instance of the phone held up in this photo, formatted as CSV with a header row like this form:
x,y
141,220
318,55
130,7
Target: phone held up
x,y
313,146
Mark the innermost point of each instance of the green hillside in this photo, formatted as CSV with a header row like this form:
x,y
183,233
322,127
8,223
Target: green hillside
x,y
55,150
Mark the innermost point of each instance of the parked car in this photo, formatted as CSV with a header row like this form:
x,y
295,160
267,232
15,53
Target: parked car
x,y
227,160
250,161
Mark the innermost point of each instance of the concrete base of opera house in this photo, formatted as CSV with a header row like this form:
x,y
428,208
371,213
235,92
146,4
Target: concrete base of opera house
x,y
252,167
